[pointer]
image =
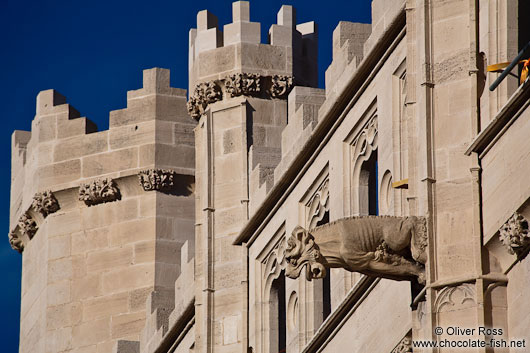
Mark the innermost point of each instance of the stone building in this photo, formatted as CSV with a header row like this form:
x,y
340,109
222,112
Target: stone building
x,y
263,214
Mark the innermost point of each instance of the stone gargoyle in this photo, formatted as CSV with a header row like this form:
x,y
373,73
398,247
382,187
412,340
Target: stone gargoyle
x,y
381,246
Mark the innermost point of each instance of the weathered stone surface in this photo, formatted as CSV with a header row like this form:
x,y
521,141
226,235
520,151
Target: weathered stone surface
x,y
405,97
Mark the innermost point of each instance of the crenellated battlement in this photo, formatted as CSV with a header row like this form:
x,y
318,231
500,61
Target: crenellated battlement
x,y
215,54
63,149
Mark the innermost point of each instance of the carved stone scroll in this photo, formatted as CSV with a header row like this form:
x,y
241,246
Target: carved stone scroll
x,y
281,86
99,191
156,179
45,203
243,84
381,246
514,234
27,225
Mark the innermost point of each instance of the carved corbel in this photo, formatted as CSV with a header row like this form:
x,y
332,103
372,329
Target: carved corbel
x,y
281,86
99,191
156,179
514,234
45,203
243,84
205,93
16,242
27,225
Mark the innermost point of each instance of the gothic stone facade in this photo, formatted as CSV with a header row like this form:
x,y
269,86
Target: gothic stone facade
x,y
173,230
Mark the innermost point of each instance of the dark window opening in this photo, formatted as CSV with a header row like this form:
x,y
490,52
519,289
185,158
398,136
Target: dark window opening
x,y
368,190
326,296
326,281
523,23
278,315
523,26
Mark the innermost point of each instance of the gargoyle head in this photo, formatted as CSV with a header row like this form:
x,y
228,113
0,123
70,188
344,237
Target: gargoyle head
x,y
301,250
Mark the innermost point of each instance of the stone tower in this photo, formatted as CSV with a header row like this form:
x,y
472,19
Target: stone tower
x,y
101,217
238,94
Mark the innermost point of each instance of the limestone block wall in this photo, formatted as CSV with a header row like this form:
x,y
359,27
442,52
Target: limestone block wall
x,y
100,217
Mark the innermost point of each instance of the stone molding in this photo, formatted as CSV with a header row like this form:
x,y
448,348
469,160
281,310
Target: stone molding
x,y
514,234
361,149
274,264
99,191
240,84
318,205
27,225
404,346
455,297
45,203
156,179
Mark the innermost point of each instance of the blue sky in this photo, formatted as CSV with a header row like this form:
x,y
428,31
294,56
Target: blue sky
x,y
93,52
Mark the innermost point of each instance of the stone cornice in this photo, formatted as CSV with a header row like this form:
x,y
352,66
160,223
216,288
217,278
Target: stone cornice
x,y
239,84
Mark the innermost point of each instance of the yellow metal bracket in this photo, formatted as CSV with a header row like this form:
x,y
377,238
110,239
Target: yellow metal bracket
x,y
401,184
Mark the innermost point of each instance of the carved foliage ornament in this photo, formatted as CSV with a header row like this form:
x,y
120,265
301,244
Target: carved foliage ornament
x,y
99,191
278,86
205,93
27,225
514,234
45,203
243,84
281,85
156,179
